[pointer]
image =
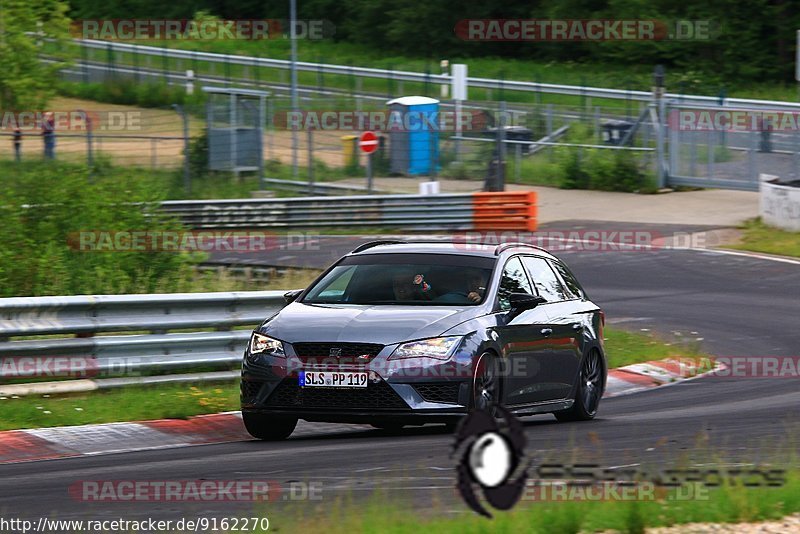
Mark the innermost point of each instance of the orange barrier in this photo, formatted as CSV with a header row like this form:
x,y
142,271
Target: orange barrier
x,y
504,211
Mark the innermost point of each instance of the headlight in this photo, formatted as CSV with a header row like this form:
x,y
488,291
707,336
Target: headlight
x,y
261,344
438,348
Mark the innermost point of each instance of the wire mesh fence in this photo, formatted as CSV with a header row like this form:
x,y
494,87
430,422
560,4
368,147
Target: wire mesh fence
x,y
549,144
125,136
725,147
463,143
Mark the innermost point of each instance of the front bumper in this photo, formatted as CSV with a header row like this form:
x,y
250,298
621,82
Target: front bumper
x,y
417,391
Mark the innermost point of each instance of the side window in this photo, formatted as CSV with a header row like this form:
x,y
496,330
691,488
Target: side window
x,y
334,285
573,287
513,280
545,280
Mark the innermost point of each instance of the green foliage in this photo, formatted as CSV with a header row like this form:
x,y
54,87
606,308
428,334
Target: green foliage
x,y
198,154
574,173
25,82
46,205
747,41
761,237
145,95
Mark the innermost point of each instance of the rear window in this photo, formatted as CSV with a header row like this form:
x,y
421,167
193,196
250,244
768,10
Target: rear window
x,y
571,283
545,279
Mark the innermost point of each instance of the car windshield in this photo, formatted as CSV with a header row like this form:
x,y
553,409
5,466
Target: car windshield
x,y
405,279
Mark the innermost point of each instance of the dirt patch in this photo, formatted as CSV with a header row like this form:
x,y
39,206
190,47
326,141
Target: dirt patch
x,y
153,138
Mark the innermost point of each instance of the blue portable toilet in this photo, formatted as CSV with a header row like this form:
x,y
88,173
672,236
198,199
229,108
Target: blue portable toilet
x,y
413,135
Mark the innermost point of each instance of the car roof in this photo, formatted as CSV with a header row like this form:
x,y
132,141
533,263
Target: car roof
x,y
460,248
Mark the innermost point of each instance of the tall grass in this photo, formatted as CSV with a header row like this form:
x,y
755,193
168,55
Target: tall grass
x,y
44,205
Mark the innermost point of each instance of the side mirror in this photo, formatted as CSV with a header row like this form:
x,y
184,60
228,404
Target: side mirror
x,y
291,296
523,301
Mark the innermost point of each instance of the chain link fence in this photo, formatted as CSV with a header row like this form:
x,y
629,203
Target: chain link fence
x,y
565,145
125,136
717,146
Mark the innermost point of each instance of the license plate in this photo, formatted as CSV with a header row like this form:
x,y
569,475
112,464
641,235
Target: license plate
x,y
332,379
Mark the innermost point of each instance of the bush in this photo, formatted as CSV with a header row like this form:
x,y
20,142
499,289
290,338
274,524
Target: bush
x,y
574,175
125,92
44,207
582,168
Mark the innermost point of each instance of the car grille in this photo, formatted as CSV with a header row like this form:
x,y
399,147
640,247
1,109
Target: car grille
x,y
376,396
250,389
446,392
347,352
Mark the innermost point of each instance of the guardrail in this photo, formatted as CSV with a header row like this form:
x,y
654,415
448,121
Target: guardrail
x,y
464,211
315,188
420,77
91,318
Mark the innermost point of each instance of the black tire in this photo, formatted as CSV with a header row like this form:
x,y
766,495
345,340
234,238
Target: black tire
x,y
486,386
588,391
268,427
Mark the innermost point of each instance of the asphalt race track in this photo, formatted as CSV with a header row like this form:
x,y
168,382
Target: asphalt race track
x,y
739,306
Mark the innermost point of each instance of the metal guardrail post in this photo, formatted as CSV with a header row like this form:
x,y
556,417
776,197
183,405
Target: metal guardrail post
x,y
598,136
85,64
310,150
187,180
796,152
751,157
710,154
136,73
501,137
659,166
549,127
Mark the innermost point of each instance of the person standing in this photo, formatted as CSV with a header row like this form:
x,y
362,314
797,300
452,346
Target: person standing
x,y
49,135
17,144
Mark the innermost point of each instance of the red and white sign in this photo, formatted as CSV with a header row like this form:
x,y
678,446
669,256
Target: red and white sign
x,y
368,142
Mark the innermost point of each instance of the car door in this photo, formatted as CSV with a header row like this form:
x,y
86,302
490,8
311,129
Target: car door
x,y
577,311
559,372
524,339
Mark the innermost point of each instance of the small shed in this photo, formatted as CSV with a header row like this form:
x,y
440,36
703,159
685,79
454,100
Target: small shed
x,y
413,135
235,119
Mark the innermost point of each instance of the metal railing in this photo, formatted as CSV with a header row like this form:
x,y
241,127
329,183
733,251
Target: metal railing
x,y
463,211
426,77
210,318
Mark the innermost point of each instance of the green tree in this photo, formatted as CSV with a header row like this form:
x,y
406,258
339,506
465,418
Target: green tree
x,y
26,82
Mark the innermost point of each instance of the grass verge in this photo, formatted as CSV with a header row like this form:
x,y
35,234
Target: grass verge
x,y
626,348
758,237
164,401
727,504
185,400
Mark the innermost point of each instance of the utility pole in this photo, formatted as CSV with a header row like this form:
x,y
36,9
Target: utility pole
x,y
660,108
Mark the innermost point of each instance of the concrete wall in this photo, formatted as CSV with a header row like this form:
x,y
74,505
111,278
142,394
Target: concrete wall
x,y
779,204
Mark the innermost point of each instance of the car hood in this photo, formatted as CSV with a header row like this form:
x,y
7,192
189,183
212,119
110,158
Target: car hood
x,y
363,323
